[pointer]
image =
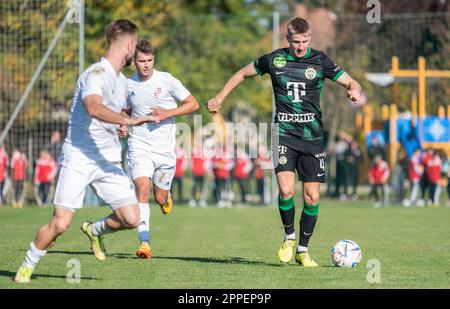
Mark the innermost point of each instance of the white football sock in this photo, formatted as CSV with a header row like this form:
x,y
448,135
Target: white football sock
x,y
302,249
144,222
289,236
100,228
33,256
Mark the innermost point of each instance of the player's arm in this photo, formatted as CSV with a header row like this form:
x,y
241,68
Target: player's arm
x,y
352,86
235,80
123,129
188,105
96,109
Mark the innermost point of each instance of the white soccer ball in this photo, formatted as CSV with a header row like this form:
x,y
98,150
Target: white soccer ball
x,y
346,253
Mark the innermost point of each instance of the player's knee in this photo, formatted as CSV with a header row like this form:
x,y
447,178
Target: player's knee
x,y
286,192
131,222
58,227
311,198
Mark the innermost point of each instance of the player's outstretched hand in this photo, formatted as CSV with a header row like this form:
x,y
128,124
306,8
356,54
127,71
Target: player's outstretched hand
x,y
159,114
122,131
146,118
353,95
213,105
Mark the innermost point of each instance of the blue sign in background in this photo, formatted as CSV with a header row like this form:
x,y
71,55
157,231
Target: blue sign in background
x,y
436,130
433,128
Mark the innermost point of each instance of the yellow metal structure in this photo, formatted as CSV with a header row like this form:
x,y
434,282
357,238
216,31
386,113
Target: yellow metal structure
x,y
418,102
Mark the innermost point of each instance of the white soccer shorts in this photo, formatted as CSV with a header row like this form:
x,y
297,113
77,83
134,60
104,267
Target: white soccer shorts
x,y
160,168
107,179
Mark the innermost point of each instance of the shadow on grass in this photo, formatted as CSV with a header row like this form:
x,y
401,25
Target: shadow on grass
x,y
70,252
9,274
65,252
227,260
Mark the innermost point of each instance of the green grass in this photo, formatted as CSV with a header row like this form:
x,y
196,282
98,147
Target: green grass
x,y
237,248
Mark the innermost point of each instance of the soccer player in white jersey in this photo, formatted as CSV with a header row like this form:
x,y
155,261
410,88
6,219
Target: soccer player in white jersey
x,y
91,153
151,146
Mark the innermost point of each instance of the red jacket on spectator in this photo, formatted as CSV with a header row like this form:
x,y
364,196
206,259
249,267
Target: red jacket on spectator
x,y
198,162
415,168
222,164
242,167
434,168
4,161
425,158
179,168
45,170
262,163
379,173
19,168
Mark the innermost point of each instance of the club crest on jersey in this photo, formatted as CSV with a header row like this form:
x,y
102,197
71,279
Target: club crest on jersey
x,y
157,92
279,62
310,73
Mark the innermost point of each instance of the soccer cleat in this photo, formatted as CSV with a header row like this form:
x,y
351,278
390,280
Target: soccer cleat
x,y
285,252
97,245
144,251
305,260
23,275
167,207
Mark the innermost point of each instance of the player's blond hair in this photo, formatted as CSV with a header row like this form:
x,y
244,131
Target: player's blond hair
x,y
298,25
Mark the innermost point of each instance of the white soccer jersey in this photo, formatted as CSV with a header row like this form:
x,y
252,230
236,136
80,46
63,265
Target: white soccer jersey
x,y
162,90
89,137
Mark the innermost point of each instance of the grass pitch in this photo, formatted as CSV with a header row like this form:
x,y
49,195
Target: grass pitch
x,y
237,248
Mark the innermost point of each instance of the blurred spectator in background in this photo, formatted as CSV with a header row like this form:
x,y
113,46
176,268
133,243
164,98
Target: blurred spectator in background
x,y
433,172
399,175
375,149
44,175
262,170
446,174
4,161
424,181
241,172
354,159
19,166
378,176
179,175
54,146
415,175
199,168
341,148
222,165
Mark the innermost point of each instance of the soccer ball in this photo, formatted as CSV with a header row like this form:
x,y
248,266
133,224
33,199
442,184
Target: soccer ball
x,y
346,253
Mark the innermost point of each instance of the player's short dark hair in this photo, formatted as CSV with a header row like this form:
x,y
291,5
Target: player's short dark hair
x,y
118,28
145,47
298,25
